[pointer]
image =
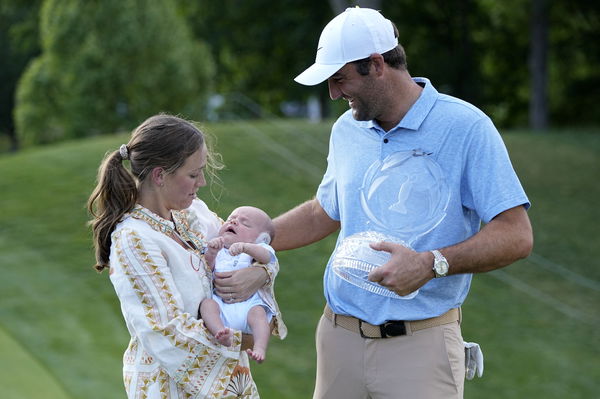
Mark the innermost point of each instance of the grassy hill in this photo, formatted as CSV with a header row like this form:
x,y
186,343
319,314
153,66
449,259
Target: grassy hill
x,y
61,330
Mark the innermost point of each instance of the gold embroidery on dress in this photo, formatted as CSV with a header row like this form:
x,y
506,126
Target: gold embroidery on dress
x,y
130,352
193,240
127,376
146,380
197,373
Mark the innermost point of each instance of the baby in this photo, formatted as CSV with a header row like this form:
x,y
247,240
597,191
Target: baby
x,y
243,238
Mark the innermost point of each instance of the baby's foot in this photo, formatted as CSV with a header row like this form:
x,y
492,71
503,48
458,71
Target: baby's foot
x,y
257,354
225,336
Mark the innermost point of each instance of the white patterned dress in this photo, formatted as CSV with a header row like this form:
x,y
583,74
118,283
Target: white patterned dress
x,y
160,285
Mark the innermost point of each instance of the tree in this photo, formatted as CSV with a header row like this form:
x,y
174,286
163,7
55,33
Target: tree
x,y
338,6
18,44
573,59
441,43
259,46
117,55
107,65
538,107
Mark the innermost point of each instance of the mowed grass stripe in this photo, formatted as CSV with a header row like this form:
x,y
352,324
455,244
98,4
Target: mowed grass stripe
x,y
22,376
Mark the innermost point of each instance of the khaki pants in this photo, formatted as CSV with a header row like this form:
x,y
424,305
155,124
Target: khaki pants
x,y
425,364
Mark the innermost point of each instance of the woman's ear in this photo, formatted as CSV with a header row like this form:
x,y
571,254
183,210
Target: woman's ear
x,y
158,176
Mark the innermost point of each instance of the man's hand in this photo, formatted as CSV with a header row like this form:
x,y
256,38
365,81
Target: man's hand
x,y
405,272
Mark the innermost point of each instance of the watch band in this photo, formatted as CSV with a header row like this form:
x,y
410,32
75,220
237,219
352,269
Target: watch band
x,y
437,255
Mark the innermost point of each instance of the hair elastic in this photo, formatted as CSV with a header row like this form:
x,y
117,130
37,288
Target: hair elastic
x,y
124,151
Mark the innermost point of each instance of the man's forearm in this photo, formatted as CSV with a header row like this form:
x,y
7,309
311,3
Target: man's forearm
x,y
507,238
303,225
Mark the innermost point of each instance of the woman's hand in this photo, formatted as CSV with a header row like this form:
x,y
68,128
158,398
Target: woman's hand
x,y
241,284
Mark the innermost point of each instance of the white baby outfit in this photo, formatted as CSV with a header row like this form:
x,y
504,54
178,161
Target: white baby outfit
x,y
234,315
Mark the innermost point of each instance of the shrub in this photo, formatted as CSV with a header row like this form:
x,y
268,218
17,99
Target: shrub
x,y
107,65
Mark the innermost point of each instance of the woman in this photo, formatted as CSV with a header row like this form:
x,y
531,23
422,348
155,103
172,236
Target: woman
x,y
149,230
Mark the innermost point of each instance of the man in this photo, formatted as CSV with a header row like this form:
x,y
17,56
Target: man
x,y
423,169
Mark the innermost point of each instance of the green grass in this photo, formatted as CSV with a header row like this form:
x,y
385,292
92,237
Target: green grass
x,y
23,376
62,332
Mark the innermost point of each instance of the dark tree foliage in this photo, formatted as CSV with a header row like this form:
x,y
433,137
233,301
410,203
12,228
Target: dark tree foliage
x,y
479,50
107,65
574,87
87,67
18,44
260,46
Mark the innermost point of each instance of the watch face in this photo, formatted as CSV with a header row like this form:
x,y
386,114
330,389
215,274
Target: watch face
x,y
441,267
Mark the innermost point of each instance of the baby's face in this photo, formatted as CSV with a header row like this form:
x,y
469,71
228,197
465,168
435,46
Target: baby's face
x,y
243,225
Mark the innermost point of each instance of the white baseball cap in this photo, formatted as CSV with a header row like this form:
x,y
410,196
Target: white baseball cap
x,y
353,35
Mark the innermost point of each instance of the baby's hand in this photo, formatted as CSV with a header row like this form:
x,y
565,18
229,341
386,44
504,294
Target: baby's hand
x,y
216,243
236,248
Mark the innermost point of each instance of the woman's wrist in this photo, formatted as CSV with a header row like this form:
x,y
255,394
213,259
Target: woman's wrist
x,y
268,278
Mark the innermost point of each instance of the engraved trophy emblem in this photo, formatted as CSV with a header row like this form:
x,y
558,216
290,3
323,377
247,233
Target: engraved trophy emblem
x,y
403,197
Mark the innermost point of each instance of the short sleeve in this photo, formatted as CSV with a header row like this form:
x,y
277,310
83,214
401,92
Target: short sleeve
x,y
327,191
491,185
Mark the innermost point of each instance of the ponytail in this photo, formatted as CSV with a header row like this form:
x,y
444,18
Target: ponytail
x,y
115,195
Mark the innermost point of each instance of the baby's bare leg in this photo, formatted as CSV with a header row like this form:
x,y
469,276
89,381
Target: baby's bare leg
x,y
257,320
211,314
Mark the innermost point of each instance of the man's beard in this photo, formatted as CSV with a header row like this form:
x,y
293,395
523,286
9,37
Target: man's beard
x,y
362,111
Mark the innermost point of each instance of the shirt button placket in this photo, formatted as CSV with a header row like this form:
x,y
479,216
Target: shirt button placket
x,y
386,148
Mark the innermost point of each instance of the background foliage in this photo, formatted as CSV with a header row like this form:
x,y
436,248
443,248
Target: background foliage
x,y
477,50
88,67
106,65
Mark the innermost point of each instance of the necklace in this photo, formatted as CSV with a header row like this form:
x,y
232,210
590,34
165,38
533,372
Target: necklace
x,y
193,250
192,243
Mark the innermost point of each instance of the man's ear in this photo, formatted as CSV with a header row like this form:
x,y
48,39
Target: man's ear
x,y
378,64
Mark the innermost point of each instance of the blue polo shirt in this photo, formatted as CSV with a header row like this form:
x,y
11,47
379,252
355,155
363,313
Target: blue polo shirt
x,y
429,182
